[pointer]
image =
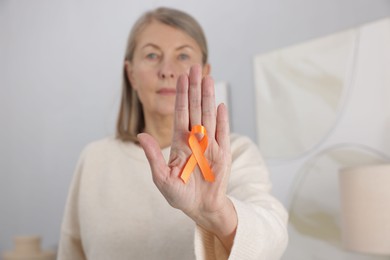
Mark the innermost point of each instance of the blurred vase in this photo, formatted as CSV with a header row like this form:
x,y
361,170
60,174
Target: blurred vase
x,y
28,248
365,208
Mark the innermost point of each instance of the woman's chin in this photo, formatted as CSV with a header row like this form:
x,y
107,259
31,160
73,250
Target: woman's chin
x,y
166,111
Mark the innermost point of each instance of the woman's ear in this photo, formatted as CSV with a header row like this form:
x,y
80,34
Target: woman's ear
x,y
206,69
129,73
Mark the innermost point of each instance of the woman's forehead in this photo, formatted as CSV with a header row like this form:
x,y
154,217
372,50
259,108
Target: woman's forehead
x,y
157,33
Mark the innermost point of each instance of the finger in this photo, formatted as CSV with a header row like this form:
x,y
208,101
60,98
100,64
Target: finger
x,y
195,95
181,105
160,170
208,105
222,128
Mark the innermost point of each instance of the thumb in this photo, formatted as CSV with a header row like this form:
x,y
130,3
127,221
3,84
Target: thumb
x,y
153,153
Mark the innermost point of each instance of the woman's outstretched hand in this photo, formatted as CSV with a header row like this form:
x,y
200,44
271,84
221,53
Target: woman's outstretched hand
x,y
205,202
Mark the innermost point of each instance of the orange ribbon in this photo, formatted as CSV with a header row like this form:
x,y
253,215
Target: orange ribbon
x,y
197,156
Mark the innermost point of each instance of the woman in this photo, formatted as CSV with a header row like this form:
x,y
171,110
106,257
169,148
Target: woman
x,y
117,206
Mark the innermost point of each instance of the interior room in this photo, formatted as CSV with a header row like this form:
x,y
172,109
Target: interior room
x,y
307,81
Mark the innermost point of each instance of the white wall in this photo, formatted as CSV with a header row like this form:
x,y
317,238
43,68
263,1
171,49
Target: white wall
x,y
60,66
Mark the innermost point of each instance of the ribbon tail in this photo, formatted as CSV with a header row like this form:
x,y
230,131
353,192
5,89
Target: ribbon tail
x,y
202,161
188,169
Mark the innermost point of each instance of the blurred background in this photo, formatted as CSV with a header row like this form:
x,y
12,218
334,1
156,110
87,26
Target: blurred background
x,y
60,77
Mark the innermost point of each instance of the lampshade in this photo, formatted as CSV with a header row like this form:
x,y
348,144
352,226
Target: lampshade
x,y
365,208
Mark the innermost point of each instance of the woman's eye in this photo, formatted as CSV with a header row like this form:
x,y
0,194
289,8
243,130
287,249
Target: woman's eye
x,y
151,56
184,56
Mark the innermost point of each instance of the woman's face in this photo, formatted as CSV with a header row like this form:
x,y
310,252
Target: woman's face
x,y
161,55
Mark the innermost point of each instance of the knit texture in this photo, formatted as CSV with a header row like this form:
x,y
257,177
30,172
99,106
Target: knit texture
x,y
114,210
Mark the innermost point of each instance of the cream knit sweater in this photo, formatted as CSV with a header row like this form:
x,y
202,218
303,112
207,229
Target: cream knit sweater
x,y
114,211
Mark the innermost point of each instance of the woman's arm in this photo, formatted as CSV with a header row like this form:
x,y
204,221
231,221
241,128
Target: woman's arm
x,y
70,246
204,202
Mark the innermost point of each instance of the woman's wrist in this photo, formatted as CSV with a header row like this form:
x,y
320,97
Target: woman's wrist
x,y
222,223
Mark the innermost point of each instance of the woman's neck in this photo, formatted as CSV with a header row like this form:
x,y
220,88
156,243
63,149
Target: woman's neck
x,y
161,128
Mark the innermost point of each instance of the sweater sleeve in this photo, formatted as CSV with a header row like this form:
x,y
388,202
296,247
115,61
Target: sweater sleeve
x,y
70,246
262,220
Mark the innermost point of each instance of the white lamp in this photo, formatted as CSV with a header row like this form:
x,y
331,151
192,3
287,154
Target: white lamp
x,y
365,208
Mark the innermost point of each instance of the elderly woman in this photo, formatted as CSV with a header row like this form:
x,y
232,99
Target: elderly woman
x,y
173,183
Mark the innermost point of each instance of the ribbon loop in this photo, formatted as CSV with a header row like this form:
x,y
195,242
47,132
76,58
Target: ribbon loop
x,y
198,147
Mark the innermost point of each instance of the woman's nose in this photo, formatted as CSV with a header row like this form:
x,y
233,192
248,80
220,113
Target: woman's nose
x,y
167,70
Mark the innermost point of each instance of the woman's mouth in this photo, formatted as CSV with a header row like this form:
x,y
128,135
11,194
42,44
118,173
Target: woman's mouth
x,y
167,91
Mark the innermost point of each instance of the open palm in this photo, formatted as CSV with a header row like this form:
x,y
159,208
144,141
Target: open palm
x,y
195,105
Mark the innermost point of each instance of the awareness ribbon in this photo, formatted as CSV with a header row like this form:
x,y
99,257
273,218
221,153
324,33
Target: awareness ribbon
x,y
198,147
